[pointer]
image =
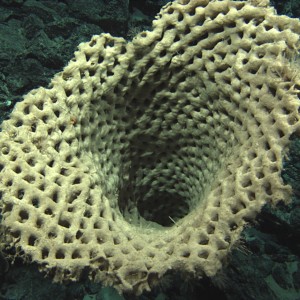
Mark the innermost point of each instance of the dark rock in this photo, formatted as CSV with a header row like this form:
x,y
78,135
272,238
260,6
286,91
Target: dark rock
x,y
148,7
279,274
111,15
296,277
295,219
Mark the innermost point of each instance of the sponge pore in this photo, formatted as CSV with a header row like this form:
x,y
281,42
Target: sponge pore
x,y
151,155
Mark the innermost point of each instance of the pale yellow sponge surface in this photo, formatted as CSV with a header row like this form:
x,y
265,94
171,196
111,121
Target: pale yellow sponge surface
x,y
150,156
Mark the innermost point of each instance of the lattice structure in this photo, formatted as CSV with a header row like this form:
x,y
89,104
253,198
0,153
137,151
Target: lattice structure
x,y
150,156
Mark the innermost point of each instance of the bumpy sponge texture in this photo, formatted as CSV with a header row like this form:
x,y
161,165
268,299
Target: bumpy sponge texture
x,y
150,156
